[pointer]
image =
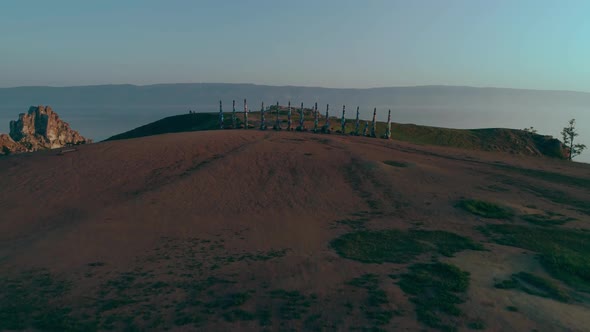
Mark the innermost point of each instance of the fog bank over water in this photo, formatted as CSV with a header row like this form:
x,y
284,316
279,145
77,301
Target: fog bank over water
x,y
101,111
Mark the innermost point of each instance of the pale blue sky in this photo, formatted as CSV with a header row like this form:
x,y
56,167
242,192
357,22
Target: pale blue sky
x,y
331,43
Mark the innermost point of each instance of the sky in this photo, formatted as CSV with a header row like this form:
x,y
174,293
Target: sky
x,y
330,43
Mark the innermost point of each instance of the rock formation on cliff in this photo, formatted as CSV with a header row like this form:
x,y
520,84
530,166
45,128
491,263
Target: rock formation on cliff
x,y
9,146
38,129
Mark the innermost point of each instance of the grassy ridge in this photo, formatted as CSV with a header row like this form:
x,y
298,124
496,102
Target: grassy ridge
x,y
396,246
497,139
173,124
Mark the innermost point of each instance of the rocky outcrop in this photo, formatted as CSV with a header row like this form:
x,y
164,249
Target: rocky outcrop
x,y
8,146
39,129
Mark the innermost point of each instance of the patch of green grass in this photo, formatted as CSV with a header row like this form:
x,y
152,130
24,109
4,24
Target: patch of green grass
x,y
183,318
294,304
32,300
374,204
238,315
507,284
229,300
96,264
264,317
446,243
547,288
355,224
313,323
485,209
534,285
512,308
360,213
114,303
436,289
261,256
477,324
546,220
376,299
564,253
368,281
496,188
396,163
397,246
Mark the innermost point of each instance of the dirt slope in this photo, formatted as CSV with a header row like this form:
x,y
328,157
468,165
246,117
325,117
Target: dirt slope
x,y
226,230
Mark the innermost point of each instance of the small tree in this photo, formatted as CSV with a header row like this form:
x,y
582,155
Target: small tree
x,y
530,130
569,133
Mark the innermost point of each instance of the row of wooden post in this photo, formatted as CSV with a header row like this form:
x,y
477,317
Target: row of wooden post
x,y
325,128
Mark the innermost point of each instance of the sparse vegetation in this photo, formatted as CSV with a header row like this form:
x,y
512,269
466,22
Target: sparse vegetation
x,y
124,300
506,284
534,285
436,289
477,324
569,134
373,307
31,300
396,163
238,315
96,264
293,304
496,188
548,176
554,195
354,224
565,253
397,246
549,219
485,209
229,300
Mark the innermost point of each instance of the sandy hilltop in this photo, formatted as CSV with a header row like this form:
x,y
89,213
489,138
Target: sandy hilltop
x,y
250,229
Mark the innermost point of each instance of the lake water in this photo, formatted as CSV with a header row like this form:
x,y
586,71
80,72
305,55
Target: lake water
x,y
101,122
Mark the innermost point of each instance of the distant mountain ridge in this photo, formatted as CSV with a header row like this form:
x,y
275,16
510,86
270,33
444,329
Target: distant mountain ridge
x,y
181,93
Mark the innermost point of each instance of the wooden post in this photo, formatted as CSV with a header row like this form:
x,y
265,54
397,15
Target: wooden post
x,y
388,129
220,116
316,119
262,118
234,119
277,125
343,121
289,122
326,127
245,114
374,124
356,124
301,118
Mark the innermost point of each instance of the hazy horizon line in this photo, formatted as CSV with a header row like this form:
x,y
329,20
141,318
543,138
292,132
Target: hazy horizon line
x,y
290,86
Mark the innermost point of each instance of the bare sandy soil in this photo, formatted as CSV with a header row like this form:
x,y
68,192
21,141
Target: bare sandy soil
x,y
226,230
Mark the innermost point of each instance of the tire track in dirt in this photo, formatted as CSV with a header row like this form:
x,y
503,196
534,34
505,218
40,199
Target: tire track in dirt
x,y
362,176
160,180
